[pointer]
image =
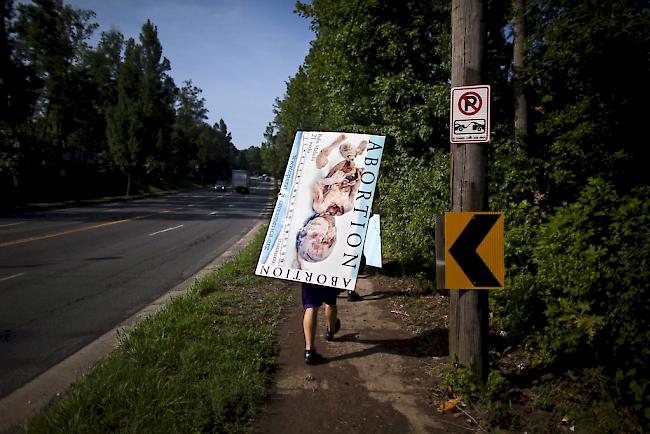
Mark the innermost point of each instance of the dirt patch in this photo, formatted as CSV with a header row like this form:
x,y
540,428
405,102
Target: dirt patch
x,y
378,377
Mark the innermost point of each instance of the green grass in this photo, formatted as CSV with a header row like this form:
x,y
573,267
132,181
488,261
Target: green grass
x,y
203,364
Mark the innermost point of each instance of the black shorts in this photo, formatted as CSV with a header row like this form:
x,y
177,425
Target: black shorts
x,y
316,295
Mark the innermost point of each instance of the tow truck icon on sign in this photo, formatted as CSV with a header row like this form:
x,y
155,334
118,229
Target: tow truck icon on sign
x,y
469,126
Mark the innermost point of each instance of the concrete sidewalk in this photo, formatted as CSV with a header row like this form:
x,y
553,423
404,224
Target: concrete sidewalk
x,y
374,380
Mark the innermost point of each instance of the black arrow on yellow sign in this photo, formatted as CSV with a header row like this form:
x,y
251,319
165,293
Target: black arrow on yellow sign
x,y
464,250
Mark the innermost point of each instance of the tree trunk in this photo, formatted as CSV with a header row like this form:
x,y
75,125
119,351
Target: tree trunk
x,y
521,105
128,184
468,320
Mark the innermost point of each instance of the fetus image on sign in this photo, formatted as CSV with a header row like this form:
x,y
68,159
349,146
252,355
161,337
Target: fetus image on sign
x,y
332,195
316,238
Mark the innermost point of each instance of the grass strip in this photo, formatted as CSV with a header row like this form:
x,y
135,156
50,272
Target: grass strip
x,y
203,364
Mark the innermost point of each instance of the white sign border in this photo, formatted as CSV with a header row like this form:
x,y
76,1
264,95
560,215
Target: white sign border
x,y
454,115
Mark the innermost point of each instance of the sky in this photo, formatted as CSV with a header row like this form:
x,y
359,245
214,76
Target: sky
x,y
240,53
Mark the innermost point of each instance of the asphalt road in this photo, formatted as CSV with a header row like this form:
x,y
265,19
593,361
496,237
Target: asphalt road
x,y
67,276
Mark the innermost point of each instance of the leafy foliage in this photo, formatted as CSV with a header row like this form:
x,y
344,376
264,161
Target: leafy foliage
x,y
574,188
592,278
412,192
584,105
71,112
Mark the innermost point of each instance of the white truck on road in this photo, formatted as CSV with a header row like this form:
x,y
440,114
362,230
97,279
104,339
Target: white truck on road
x,y
241,181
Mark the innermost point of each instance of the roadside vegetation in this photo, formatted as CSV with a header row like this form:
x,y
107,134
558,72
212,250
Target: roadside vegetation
x,y
202,364
520,395
572,326
81,122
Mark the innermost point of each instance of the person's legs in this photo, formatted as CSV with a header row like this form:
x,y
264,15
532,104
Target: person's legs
x,y
311,301
309,322
331,314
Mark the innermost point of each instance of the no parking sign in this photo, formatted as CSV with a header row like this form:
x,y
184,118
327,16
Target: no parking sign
x,y
470,114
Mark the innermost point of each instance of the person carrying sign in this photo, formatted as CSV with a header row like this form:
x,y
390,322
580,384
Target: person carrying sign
x,y
332,196
320,220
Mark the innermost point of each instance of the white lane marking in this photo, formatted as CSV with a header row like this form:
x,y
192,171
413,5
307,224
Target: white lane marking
x,y
11,224
214,213
166,230
13,276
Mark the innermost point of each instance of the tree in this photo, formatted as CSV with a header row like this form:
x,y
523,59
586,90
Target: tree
x,y
104,65
583,103
18,94
125,127
52,38
519,36
191,135
140,124
157,97
226,148
250,159
273,157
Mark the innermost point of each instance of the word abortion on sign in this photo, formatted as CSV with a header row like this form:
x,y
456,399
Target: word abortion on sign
x,y
470,114
319,224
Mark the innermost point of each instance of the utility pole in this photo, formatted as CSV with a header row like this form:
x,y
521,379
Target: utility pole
x,y
468,319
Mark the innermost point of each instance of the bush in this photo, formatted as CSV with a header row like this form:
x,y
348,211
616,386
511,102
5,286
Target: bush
x,y
413,191
519,309
592,276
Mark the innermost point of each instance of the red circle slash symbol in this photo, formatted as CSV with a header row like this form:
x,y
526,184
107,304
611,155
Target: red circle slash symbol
x,y
470,103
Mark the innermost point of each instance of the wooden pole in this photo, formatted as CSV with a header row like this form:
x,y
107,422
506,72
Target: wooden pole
x,y
468,320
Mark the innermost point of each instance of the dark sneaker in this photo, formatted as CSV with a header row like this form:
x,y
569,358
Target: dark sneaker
x,y
313,358
329,334
353,296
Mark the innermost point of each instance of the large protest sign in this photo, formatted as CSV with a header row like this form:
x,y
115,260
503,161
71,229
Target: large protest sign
x,y
320,220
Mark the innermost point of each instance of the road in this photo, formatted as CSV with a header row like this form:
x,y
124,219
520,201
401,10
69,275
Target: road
x,y
67,276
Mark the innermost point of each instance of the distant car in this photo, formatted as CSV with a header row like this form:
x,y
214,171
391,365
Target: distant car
x,y
219,186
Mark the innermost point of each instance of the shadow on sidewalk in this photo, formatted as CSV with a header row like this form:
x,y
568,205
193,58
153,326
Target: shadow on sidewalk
x,y
378,295
431,343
